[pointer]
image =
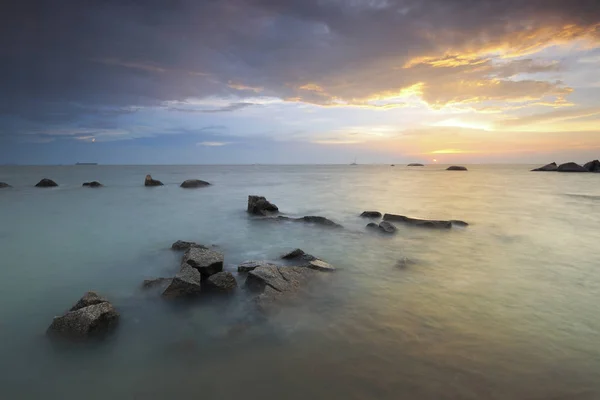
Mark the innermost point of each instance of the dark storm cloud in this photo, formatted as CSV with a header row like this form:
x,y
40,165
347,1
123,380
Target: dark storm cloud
x,y
65,59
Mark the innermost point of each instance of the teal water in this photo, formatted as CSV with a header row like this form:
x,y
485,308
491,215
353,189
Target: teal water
x,y
504,309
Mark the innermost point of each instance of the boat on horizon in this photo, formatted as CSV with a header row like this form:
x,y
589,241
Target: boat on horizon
x,y
354,163
86,163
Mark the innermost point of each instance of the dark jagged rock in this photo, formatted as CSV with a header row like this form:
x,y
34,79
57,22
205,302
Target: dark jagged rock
x,y
93,315
88,299
206,261
298,254
425,223
258,205
571,167
415,165
311,219
152,182
371,214
46,183
150,283
4,185
185,284
194,183
93,184
456,168
548,167
222,281
248,266
183,245
307,260
592,166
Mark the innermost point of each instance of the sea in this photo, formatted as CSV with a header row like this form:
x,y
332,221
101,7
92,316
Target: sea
x,y
506,308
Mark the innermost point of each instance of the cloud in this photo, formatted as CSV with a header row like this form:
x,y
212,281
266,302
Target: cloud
x,y
228,108
212,144
550,117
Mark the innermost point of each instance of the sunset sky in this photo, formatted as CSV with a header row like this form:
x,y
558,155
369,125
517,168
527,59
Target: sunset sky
x,y
299,81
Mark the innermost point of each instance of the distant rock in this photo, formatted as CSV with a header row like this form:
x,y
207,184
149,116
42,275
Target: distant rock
x,y
46,183
548,167
4,185
187,283
222,281
571,167
93,315
456,168
592,166
312,219
404,263
152,182
298,254
425,223
194,183
415,165
258,205
206,261
183,245
150,283
371,214
93,184
248,266
392,165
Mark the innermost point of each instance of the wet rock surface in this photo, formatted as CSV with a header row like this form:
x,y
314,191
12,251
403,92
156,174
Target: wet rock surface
x,y
424,223
187,283
194,183
152,182
92,184
258,205
222,282
181,245
248,266
206,261
46,183
371,214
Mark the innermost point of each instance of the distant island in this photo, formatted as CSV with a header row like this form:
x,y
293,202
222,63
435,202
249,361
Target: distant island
x,y
86,163
415,165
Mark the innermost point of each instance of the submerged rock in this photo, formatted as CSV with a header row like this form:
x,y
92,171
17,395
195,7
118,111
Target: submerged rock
x,y
93,184
456,168
185,284
258,205
206,261
593,166
183,245
150,283
152,182
548,167
415,165
404,263
46,183
194,183
93,315
425,223
4,185
320,265
372,225
222,281
298,254
248,266
571,167
387,227
371,214
312,219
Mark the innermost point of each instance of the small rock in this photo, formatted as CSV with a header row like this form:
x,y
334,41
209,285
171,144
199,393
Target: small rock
x,y
298,254
456,168
248,266
152,182
425,223
320,265
404,262
150,283
387,227
46,183
593,166
222,281
371,214
185,284
93,315
571,167
415,165
206,261
93,184
88,299
548,167
258,205
194,183
4,185
183,245
372,225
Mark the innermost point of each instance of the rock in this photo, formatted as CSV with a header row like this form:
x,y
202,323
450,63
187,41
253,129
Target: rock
x,y
206,261
93,315
456,168
88,299
93,184
150,283
548,167
592,166
185,284
248,266
4,185
222,281
415,165
311,219
320,265
387,227
46,183
371,214
194,183
571,167
404,262
298,254
183,245
372,225
425,223
258,205
152,182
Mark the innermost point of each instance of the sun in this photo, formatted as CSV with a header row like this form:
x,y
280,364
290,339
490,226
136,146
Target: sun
x,y
434,160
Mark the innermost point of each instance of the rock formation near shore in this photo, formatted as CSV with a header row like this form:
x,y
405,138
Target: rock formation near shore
x,y
93,184
425,223
194,183
312,219
206,261
592,166
183,245
258,205
46,183
248,266
456,168
152,182
548,167
298,254
4,185
221,281
93,315
371,214
571,167
187,283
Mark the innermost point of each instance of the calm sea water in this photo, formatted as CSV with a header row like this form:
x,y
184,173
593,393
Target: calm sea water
x,y
507,308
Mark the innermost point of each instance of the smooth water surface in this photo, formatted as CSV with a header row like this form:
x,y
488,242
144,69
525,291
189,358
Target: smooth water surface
x,y
506,308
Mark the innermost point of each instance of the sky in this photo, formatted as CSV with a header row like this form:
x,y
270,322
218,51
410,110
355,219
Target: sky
x,y
299,81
